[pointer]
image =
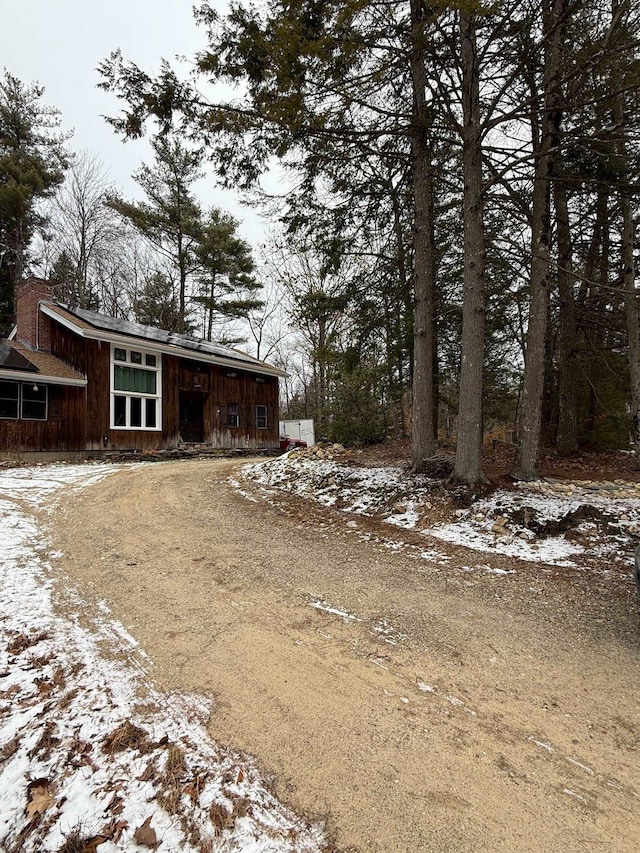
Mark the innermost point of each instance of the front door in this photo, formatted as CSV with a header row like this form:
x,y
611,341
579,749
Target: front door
x,y
191,417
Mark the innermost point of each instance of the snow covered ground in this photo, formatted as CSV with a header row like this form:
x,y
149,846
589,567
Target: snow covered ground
x,y
91,755
550,522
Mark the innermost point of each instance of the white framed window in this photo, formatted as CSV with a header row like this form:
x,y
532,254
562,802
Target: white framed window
x,y
27,401
261,417
136,389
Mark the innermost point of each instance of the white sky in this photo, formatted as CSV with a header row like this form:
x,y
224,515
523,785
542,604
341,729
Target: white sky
x,y
60,43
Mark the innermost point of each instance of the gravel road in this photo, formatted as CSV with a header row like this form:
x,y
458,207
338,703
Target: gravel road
x,y
431,716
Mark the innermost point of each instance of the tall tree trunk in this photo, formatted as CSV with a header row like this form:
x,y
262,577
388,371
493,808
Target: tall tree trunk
x,y
529,427
468,462
628,266
567,438
633,324
423,442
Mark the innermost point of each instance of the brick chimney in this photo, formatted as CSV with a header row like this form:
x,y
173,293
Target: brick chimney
x,y
33,329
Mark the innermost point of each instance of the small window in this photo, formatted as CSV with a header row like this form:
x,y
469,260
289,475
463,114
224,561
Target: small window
x,y
34,402
233,415
260,379
136,357
149,360
261,417
119,354
9,392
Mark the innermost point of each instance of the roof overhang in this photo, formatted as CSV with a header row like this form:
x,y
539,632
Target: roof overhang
x,y
155,346
41,378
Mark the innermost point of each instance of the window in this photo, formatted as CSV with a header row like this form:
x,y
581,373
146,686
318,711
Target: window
x,y
261,417
9,397
136,382
233,415
34,402
25,400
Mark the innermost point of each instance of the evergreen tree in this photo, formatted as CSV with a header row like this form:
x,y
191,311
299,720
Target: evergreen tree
x,y
170,218
157,304
225,273
32,164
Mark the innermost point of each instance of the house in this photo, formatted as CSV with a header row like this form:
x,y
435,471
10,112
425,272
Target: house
x,y
73,380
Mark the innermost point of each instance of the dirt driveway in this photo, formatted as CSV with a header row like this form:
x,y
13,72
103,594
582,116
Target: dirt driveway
x,y
432,717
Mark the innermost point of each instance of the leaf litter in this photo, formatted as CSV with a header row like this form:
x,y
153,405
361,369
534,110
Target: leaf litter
x,y
92,756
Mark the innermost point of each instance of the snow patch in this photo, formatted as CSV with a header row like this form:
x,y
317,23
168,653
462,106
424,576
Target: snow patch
x,y
66,688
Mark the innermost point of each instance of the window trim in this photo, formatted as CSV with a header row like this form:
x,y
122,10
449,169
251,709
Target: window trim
x,y
259,416
128,395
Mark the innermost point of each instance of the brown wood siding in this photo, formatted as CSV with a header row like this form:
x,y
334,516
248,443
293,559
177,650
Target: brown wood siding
x,y
247,394
63,430
68,347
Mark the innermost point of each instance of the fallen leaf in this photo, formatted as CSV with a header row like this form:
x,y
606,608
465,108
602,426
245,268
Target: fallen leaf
x,y
191,791
115,805
145,834
90,845
114,829
240,776
148,773
39,797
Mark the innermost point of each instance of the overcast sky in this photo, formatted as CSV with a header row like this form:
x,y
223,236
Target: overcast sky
x,y
60,43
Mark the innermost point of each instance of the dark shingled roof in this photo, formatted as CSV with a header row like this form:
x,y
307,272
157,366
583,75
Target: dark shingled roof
x,y
160,336
15,356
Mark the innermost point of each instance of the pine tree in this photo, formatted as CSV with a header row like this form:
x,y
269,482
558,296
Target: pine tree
x,y
32,164
170,218
225,272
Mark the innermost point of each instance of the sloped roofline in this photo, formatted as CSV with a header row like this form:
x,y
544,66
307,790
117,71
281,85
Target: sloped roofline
x,y
43,368
82,326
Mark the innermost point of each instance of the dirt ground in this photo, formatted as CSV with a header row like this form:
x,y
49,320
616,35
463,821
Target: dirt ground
x,y
445,716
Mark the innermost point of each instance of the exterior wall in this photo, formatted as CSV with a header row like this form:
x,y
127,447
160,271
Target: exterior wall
x,y
247,394
196,379
63,430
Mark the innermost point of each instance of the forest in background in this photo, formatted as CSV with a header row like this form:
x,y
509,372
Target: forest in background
x,y
456,234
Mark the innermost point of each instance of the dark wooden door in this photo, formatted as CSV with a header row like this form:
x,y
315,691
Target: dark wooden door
x,y
191,417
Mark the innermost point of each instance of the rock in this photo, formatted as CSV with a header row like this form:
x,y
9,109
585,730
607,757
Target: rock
x,y
575,536
338,448
500,521
399,509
